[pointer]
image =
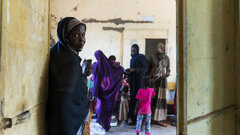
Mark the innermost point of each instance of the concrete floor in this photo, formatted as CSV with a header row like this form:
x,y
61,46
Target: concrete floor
x,y
130,130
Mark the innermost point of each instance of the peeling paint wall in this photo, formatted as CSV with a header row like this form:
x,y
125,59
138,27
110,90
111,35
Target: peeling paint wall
x,y
210,66
24,63
113,26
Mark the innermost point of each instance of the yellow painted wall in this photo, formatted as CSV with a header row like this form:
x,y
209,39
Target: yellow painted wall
x,y
210,65
24,63
118,42
211,59
221,124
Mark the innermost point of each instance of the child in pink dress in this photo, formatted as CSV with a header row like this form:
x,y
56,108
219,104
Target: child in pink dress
x,y
143,106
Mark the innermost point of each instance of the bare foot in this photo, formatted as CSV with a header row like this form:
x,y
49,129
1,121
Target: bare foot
x,y
162,124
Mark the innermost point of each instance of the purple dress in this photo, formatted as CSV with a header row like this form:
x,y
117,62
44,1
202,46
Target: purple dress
x,y
107,80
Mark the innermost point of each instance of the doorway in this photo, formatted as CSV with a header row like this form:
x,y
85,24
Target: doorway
x,y
207,33
151,45
114,32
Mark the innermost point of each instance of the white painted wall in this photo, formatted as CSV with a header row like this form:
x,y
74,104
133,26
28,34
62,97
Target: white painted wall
x,y
161,12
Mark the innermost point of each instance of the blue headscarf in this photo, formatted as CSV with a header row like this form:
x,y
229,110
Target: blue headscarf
x,y
135,57
61,30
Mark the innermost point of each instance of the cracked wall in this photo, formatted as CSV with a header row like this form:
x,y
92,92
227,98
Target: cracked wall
x,y
113,26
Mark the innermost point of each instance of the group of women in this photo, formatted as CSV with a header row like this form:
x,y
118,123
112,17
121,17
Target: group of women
x,y
158,69
68,102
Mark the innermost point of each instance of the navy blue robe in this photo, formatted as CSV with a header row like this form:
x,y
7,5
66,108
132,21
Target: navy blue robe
x,y
140,63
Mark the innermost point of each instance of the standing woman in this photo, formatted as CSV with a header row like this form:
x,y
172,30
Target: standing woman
x,y
137,71
159,71
68,104
107,80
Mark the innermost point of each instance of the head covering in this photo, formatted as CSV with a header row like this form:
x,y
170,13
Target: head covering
x,y
107,81
136,56
162,46
162,55
137,47
63,29
71,24
104,69
112,57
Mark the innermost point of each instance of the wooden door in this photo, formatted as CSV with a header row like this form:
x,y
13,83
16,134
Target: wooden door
x,y
24,66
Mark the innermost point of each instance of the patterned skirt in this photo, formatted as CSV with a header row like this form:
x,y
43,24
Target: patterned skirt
x,y
123,111
159,105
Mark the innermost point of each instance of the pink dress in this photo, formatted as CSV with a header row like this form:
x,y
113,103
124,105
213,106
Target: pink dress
x,y
145,96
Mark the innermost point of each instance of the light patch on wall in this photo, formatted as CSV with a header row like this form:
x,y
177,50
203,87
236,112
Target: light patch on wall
x,y
8,12
40,39
133,42
33,36
148,18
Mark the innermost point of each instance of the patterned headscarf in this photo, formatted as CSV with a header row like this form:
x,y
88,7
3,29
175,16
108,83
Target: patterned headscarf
x,y
71,24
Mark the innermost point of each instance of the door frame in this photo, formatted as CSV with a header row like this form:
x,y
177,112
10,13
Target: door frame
x,y
181,61
182,121
181,68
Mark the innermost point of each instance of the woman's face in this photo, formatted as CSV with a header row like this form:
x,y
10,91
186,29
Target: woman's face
x,y
77,37
133,51
160,50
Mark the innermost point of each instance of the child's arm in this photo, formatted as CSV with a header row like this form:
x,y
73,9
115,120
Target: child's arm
x,y
136,107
